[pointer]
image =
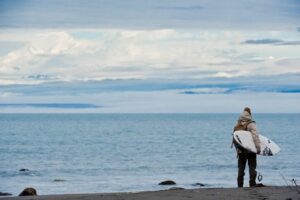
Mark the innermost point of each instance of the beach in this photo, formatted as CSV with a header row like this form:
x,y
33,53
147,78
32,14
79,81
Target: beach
x,y
272,192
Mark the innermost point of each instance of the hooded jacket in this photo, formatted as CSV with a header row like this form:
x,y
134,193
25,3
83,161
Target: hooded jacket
x,y
246,119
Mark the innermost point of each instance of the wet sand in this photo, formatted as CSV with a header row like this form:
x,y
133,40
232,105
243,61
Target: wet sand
x,y
261,193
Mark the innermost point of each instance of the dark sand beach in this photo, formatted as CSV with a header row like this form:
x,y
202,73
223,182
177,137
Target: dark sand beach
x,y
271,193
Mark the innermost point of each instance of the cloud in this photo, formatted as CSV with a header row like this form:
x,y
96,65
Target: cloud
x,y
215,94
271,42
181,8
263,41
27,62
116,54
167,102
8,46
40,77
289,43
203,90
55,43
49,105
278,83
291,64
93,55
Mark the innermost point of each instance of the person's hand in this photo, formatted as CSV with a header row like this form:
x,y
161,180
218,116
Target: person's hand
x,y
258,152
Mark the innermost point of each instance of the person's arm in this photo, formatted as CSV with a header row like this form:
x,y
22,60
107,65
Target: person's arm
x,y
252,128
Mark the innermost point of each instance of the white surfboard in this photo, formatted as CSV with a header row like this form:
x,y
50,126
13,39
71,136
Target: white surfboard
x,y
245,139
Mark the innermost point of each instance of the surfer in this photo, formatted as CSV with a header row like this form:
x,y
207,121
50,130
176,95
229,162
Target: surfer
x,y
246,123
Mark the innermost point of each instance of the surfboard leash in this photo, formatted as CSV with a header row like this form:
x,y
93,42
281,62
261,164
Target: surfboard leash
x,y
259,177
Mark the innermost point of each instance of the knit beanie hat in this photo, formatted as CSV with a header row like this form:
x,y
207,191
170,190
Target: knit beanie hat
x,y
247,109
246,115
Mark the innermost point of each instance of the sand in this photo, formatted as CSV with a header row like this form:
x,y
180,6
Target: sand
x,y
262,193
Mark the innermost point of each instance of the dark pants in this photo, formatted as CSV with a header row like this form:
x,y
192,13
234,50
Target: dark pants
x,y
242,160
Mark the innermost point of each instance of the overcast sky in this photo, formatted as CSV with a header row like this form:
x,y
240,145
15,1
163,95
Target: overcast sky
x,y
149,56
154,14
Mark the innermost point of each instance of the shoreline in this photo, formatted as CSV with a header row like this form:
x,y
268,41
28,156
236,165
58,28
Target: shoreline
x,y
268,192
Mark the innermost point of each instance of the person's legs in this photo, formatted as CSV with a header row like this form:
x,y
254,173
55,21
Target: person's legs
x,y
242,159
252,169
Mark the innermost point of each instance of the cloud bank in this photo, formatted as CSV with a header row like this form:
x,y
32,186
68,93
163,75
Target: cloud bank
x,y
93,55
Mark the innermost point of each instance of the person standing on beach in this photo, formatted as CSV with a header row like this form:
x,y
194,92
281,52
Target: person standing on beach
x,y
246,123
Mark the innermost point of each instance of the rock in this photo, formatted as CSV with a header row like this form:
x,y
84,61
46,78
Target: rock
x,y
5,194
167,182
28,192
198,184
24,170
176,188
59,180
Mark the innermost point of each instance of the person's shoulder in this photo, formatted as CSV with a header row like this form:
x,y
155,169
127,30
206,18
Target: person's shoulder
x,y
251,122
251,126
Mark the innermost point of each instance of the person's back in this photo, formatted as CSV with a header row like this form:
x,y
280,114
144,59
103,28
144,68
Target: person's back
x,y
245,122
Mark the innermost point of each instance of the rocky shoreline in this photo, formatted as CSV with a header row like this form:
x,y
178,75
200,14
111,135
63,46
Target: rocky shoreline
x,y
270,192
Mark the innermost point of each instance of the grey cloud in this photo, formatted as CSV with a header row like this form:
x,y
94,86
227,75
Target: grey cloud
x,y
292,62
204,90
263,41
181,8
268,41
49,105
40,77
289,43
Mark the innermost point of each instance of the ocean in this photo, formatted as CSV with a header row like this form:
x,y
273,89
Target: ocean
x,y
88,153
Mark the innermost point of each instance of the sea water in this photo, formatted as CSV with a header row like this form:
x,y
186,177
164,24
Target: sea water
x,y
86,153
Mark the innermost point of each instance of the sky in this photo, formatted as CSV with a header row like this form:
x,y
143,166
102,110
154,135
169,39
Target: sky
x,y
140,56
